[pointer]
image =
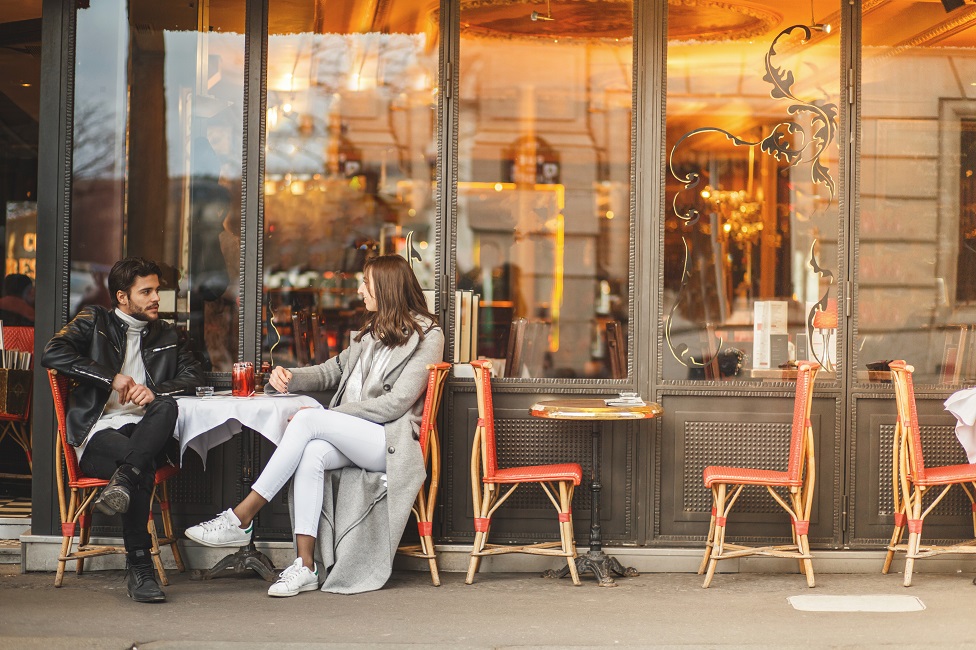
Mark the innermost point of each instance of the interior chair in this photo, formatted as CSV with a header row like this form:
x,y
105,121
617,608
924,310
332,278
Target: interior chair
x,y
911,479
516,341
301,332
17,425
487,481
75,506
798,481
430,447
616,351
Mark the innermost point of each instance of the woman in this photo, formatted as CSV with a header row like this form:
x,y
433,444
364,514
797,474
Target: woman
x,y
355,516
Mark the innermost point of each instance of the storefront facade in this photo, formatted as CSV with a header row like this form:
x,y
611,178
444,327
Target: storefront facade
x,y
679,197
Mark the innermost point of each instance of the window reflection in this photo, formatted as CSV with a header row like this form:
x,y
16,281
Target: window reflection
x,y
916,257
543,198
751,229
349,173
158,118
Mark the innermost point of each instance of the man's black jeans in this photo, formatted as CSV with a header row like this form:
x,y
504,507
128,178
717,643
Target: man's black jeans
x,y
146,445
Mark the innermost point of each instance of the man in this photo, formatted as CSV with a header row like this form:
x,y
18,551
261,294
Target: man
x,y
127,365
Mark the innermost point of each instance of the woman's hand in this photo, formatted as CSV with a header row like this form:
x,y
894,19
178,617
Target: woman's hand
x,y
279,379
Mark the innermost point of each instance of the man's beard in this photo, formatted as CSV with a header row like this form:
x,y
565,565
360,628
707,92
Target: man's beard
x,y
143,315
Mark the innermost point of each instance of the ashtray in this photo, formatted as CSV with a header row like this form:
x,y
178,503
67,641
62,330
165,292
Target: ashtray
x,y
205,391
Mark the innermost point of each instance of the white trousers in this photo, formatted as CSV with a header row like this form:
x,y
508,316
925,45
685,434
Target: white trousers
x,y
316,441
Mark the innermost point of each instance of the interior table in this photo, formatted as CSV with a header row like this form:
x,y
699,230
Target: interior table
x,y
205,422
596,411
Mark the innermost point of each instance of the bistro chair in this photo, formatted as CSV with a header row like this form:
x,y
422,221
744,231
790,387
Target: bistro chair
x,y
912,479
75,507
798,480
16,422
430,447
557,481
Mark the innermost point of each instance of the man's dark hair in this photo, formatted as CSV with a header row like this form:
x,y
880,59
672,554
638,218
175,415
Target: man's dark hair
x,y
16,284
124,273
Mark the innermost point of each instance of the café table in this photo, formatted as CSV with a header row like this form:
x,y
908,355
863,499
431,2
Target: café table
x,y
205,422
596,411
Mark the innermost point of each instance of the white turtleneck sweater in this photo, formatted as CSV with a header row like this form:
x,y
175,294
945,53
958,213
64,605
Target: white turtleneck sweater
x,y
116,414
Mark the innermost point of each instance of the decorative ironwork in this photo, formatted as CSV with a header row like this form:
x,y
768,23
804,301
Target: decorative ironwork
x,y
779,143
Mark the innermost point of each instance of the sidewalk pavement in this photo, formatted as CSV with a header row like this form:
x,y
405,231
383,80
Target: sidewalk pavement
x,y
499,611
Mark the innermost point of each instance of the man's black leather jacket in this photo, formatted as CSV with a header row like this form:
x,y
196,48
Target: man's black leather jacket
x,y
90,350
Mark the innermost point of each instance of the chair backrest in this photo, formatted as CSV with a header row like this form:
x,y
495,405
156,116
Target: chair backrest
x,y
806,375
19,338
60,389
486,416
437,374
901,377
615,350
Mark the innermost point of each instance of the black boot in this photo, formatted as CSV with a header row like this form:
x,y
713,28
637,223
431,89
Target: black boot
x,y
141,582
115,496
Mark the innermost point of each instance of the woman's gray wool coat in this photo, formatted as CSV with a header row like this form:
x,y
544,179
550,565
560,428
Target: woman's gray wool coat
x,y
362,521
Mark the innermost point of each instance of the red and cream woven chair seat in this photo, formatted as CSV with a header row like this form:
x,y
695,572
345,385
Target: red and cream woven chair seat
x,y
536,473
558,481
911,479
78,492
797,482
430,447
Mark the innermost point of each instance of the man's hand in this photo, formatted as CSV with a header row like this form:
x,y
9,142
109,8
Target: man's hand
x,y
130,391
141,395
279,379
123,384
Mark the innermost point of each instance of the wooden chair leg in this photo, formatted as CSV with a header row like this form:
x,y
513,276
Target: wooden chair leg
x,y
807,562
154,551
896,536
428,543
164,514
84,537
62,559
479,540
914,537
719,534
566,529
710,540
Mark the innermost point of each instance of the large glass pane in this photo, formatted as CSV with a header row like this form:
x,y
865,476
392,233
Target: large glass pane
x,y
351,151
751,224
544,187
917,225
158,118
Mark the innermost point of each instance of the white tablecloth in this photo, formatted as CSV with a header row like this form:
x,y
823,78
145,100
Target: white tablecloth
x,y
205,422
962,404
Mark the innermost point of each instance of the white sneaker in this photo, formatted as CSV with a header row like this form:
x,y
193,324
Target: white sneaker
x,y
224,530
295,579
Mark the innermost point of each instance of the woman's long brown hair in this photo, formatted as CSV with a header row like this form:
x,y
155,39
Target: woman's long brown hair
x,y
399,301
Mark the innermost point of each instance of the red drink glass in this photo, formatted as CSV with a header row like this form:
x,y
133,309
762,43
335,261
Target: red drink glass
x,y
242,379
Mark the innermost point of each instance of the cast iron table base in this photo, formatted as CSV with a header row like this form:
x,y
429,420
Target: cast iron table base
x,y
246,557
601,565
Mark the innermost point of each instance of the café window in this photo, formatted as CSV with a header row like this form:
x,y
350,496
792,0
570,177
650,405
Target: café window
x,y
917,225
351,145
752,184
156,158
544,188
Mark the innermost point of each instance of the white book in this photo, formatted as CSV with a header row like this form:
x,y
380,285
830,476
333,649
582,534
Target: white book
x,y
457,327
465,335
431,299
760,335
475,299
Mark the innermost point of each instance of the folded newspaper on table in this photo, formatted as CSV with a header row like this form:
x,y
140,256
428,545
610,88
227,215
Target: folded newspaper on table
x,y
625,399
